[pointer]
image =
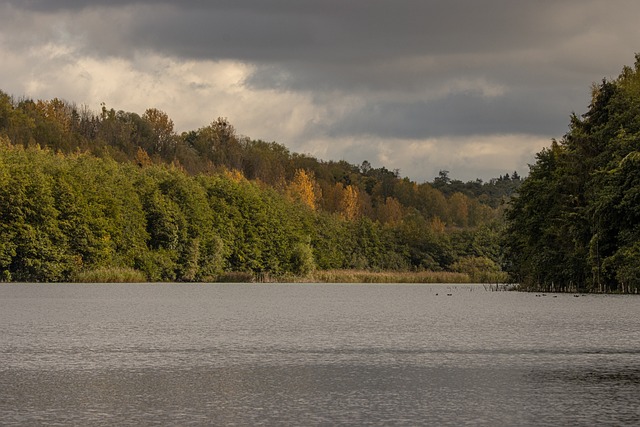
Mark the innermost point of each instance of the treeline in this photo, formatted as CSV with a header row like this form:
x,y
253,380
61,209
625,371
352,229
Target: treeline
x,y
576,222
80,191
339,187
63,215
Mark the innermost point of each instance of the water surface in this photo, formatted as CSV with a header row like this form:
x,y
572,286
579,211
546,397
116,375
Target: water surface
x,y
255,354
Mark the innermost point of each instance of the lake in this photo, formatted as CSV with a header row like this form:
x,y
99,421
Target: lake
x,y
316,354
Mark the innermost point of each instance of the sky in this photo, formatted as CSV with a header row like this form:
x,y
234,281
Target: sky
x,y
474,87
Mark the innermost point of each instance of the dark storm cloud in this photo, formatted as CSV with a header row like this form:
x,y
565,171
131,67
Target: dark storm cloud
x,y
414,69
328,30
460,115
66,5
356,31
354,46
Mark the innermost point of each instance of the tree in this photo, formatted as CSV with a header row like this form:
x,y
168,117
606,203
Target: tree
x,y
189,207
302,260
163,136
350,204
459,209
390,212
575,221
304,189
34,248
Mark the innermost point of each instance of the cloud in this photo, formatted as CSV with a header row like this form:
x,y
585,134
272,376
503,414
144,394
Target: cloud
x,y
466,158
412,83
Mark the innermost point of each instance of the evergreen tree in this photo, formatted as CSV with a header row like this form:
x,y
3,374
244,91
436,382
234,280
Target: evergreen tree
x,y
575,221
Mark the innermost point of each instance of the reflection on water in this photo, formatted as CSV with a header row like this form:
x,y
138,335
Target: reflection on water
x,y
315,354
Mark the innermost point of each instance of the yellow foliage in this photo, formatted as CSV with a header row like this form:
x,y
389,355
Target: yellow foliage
x,y
5,142
57,111
234,175
159,120
162,127
304,189
350,203
142,159
437,225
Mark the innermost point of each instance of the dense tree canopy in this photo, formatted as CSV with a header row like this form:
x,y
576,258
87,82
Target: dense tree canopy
x,y
81,191
576,221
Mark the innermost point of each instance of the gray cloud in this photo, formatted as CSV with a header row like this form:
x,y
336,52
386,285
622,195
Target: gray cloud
x,y
412,69
357,31
456,115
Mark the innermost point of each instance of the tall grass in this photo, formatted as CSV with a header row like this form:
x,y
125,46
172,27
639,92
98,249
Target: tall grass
x,y
111,275
362,276
235,277
128,275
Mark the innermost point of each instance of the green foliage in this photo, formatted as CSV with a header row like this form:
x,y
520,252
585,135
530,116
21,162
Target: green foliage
x,y
302,262
575,222
425,248
479,269
33,244
258,226
366,276
327,237
84,192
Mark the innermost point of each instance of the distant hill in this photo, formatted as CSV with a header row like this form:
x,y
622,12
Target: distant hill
x,y
119,189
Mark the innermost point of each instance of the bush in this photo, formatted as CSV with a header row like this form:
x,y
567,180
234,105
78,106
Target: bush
x,y
479,269
302,261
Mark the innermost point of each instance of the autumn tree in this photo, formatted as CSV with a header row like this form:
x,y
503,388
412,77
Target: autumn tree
x,y
163,136
350,203
304,189
390,212
459,209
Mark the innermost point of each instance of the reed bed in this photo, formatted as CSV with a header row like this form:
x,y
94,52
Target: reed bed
x,y
111,275
363,276
490,277
236,277
128,275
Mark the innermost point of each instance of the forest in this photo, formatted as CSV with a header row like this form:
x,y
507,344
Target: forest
x,y
575,224
84,191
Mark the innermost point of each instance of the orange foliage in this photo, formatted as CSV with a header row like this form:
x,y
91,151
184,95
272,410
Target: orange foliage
x,y
390,212
304,189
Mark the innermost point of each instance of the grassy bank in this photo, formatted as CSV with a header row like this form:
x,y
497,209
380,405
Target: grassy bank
x,y
127,275
363,276
111,275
